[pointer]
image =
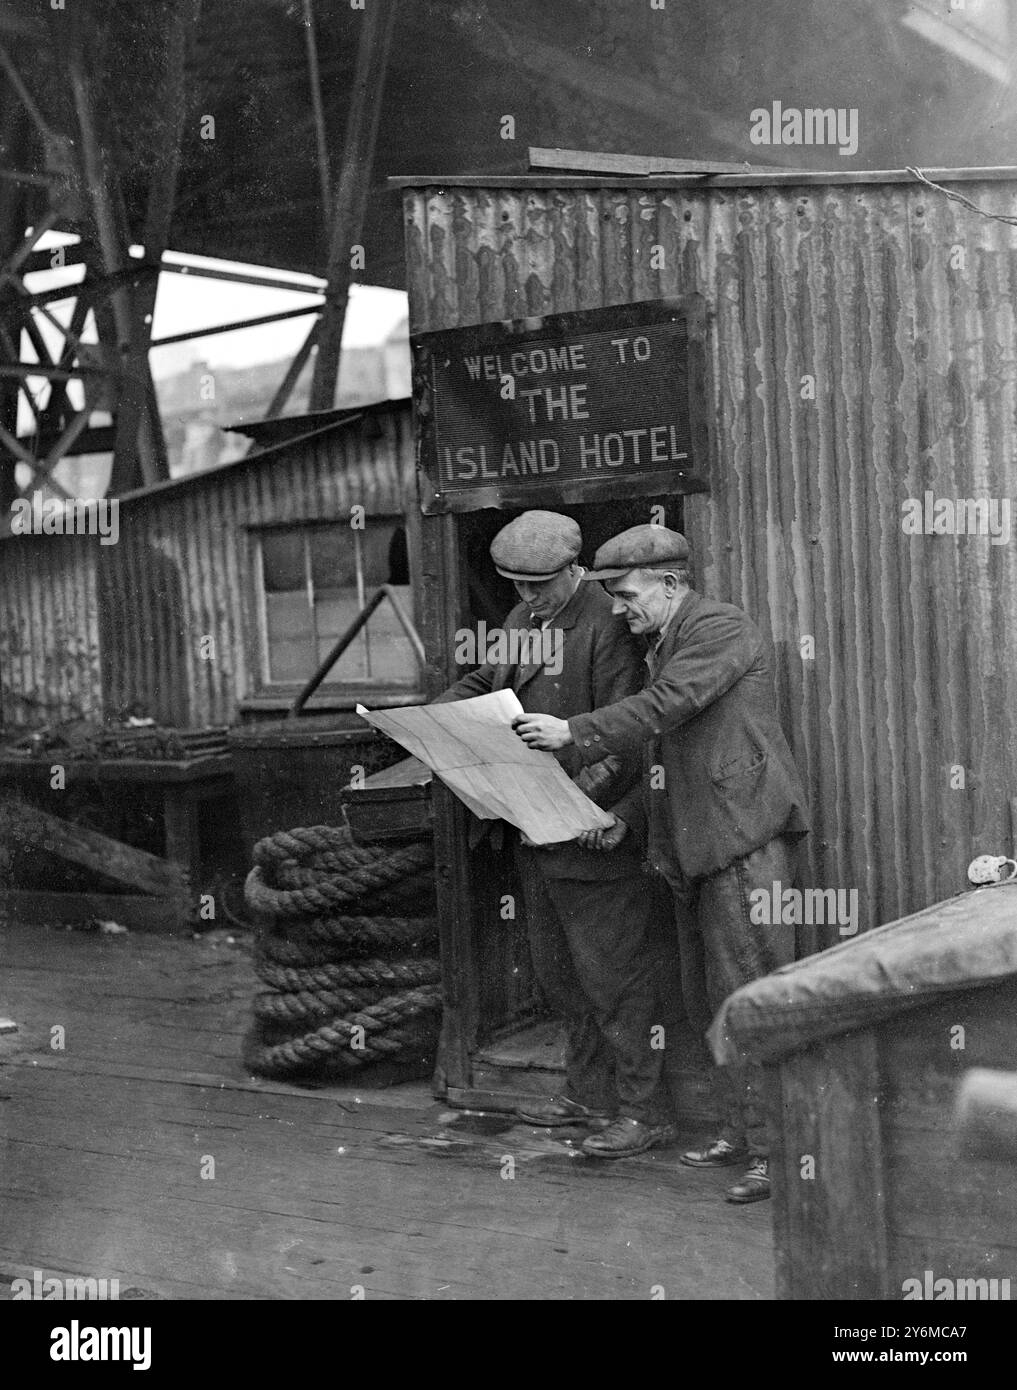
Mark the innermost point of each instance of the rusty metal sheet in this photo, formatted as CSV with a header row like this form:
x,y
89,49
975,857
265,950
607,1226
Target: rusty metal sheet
x,y
862,354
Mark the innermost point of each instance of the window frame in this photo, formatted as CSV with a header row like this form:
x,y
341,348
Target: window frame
x,y
342,693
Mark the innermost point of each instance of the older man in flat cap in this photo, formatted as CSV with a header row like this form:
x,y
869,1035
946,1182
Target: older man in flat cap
x,y
595,920
721,793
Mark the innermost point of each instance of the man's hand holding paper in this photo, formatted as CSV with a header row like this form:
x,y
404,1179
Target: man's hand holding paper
x,y
471,746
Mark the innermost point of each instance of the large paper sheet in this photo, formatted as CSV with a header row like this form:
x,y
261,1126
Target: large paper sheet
x,y
471,746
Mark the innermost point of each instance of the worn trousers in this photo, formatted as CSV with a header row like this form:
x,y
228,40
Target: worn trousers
x,y
721,949
597,947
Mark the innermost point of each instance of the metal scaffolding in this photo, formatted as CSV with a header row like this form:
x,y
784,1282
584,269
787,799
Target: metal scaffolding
x,y
60,171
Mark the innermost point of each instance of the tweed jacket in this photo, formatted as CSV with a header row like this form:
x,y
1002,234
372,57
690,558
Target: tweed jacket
x,y
719,779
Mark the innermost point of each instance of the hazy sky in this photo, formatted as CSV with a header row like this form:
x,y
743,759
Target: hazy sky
x,y
185,302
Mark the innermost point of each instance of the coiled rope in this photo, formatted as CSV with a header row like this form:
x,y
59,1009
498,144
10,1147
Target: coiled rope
x,y
335,1002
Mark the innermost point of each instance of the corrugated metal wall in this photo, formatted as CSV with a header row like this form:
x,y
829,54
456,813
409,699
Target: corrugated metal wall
x,y
49,636
130,617
863,352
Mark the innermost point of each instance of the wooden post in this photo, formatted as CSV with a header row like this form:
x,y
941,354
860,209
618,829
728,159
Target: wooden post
x,y
314,75
13,206
441,612
289,381
139,453
351,193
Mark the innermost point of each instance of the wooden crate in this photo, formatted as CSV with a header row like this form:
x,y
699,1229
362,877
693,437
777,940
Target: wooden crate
x,y
864,1048
393,804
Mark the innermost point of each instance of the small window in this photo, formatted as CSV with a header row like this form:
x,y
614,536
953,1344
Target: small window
x,y
314,581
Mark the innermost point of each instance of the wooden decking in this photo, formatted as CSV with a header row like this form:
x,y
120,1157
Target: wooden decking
x,y
315,1192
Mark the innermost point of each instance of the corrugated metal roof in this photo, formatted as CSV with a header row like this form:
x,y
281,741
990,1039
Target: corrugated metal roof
x,y
282,428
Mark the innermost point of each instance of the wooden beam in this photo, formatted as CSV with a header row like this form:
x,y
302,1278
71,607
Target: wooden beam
x,y
14,138
314,77
42,260
240,277
289,381
352,190
830,1227
135,454
24,824
13,262
234,327
599,162
96,288
172,100
20,370
26,456
97,440
75,426
27,100
72,337
33,907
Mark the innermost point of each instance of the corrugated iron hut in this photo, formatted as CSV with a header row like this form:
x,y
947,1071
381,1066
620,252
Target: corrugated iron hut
x,y
851,379
221,596
224,588
865,1046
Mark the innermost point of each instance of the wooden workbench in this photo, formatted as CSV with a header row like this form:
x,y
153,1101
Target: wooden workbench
x,y
184,785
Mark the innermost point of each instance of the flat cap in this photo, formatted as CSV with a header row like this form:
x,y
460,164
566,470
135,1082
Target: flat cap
x,y
537,545
640,547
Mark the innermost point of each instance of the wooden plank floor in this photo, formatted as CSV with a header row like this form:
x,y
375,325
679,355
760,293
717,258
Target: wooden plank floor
x,y
315,1191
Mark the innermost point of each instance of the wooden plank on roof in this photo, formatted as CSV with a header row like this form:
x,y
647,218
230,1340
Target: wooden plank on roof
x,y
746,177
602,162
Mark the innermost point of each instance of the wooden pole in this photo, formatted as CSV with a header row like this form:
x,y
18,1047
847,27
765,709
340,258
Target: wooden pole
x,y
13,207
288,382
314,74
351,193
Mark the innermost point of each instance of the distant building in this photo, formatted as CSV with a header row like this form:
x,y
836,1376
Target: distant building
x,y
196,404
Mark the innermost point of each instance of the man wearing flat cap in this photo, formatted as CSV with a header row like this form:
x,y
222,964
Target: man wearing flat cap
x,y
595,921
721,793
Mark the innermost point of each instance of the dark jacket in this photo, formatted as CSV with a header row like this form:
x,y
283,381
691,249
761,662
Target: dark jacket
x,y
601,662
708,722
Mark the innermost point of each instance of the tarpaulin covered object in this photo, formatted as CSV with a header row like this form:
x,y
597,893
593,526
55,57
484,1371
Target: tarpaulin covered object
x,y
959,944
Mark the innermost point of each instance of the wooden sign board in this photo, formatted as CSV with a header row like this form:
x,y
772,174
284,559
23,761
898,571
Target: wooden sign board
x,y
577,407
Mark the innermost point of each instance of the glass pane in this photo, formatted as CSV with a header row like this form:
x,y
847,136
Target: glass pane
x,y
282,557
288,617
336,609
333,557
391,656
290,645
351,666
290,661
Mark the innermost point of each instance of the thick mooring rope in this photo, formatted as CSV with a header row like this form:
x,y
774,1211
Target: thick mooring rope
x,y
334,1002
